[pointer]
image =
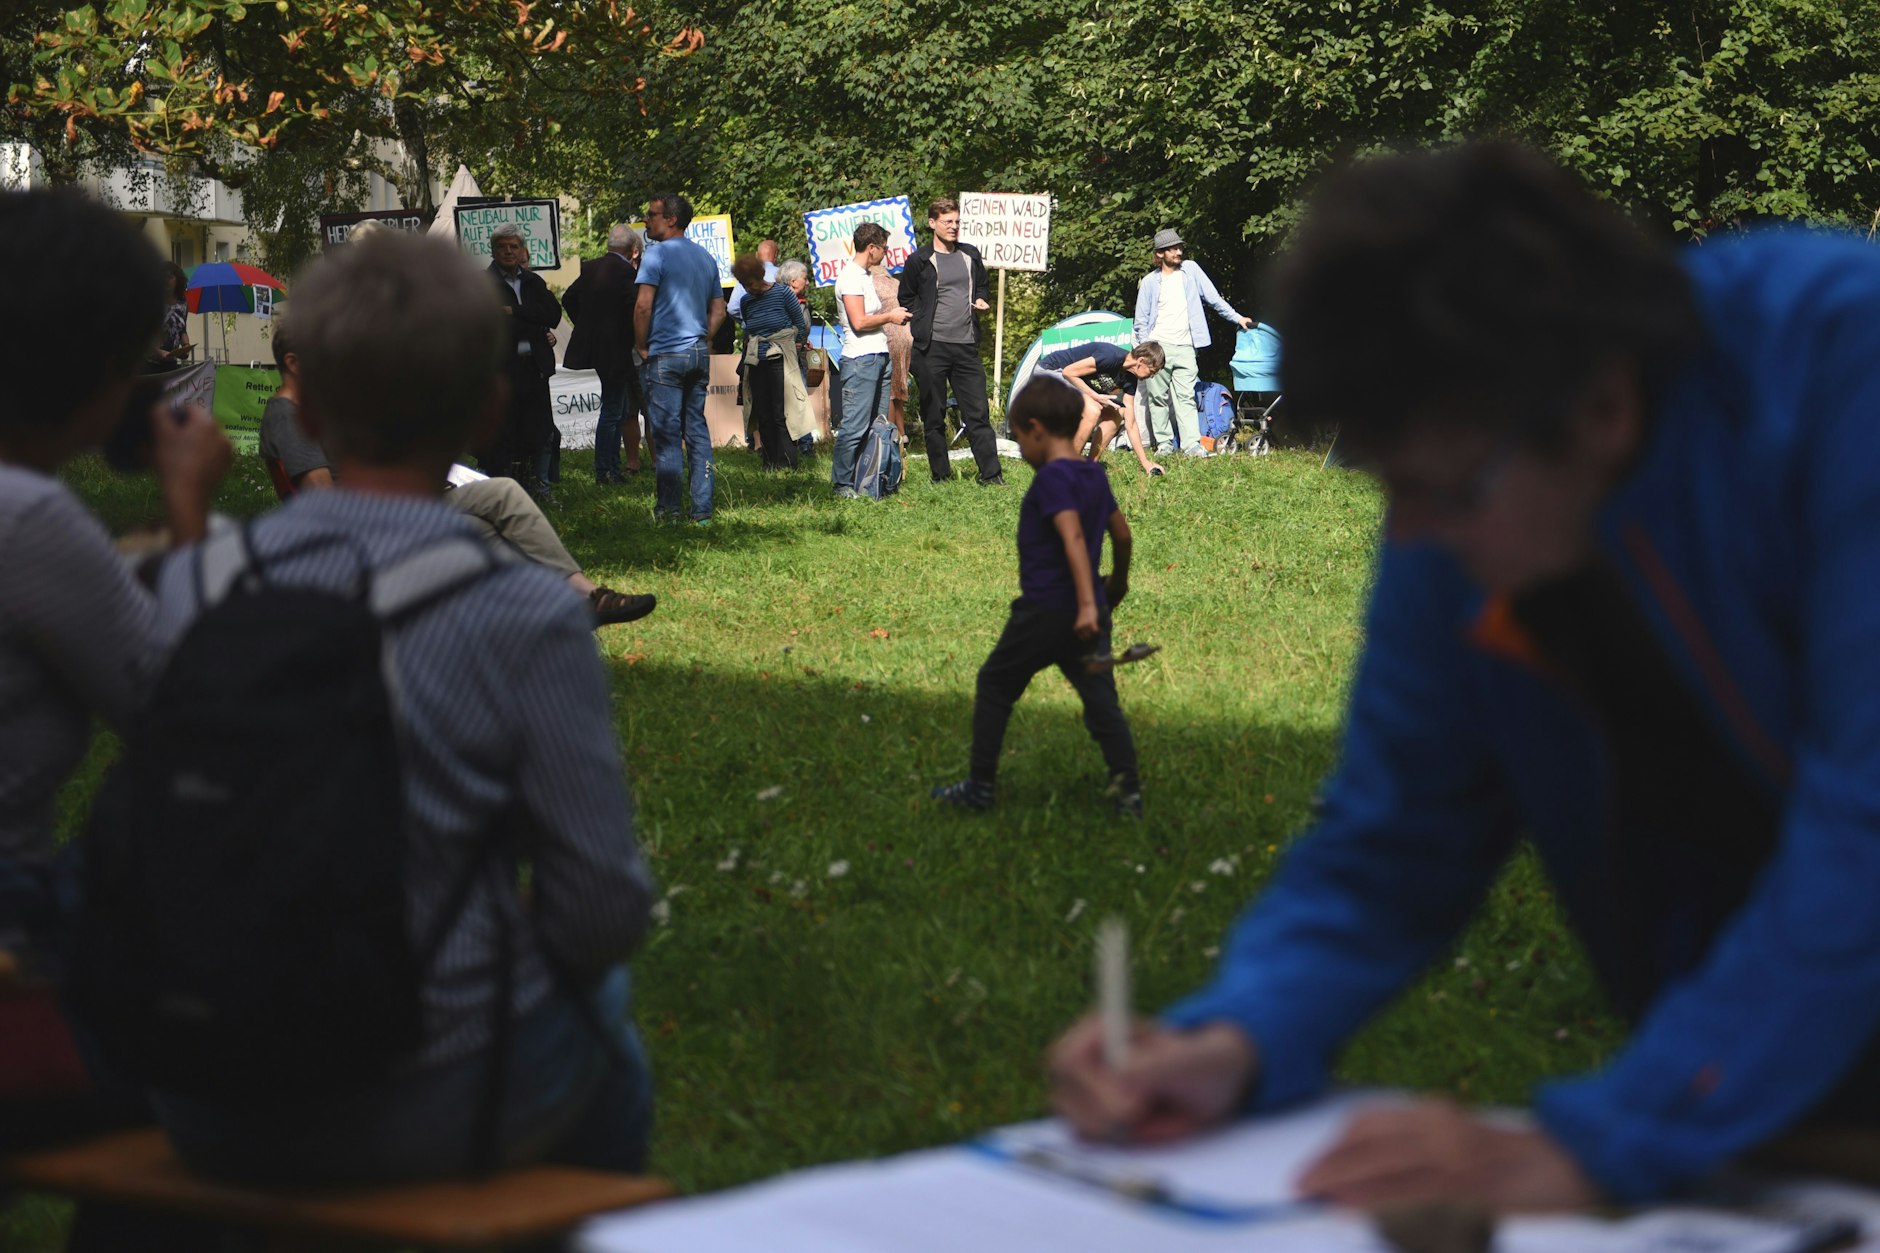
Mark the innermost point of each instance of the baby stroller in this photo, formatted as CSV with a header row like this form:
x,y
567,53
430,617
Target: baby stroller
x,y
1255,364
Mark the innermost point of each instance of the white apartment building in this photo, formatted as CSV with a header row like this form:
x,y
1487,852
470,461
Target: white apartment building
x,y
190,221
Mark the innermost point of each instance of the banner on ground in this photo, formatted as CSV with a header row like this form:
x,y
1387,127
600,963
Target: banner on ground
x,y
575,400
337,228
241,393
1011,232
832,235
538,220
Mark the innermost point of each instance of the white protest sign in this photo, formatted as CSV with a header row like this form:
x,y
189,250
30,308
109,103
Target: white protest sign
x,y
191,385
832,231
1011,232
538,220
264,301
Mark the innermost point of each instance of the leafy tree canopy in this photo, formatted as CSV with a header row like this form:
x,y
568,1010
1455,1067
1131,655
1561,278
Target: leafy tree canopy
x,y
1210,115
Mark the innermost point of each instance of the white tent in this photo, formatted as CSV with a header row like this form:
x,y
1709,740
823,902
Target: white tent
x,y
463,184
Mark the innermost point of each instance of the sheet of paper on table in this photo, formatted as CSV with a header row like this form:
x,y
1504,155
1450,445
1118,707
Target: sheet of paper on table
x,y
954,1200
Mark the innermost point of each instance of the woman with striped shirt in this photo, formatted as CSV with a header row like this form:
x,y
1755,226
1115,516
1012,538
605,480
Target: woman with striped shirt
x,y
773,324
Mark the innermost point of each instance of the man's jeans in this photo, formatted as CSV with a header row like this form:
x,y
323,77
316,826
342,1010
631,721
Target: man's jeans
x,y
864,396
570,1096
675,384
1171,417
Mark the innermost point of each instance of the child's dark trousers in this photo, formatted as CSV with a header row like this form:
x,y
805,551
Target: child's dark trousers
x,y
1035,638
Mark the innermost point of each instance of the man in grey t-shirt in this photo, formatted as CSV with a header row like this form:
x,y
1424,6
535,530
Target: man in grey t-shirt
x,y
944,286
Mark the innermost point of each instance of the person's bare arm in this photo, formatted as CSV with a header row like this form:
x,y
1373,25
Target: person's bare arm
x,y
715,318
1080,373
1136,442
1070,530
872,321
1121,544
314,479
642,317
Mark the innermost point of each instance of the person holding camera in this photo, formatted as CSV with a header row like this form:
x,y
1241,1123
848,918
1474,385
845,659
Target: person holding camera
x,y
76,628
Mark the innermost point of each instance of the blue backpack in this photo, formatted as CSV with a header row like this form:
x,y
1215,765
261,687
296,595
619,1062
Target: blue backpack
x,y
1214,405
878,468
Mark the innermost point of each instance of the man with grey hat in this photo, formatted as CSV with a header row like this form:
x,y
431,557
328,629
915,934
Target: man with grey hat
x,y
1168,311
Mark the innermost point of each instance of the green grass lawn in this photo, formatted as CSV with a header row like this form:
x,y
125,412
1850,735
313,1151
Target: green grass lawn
x,y
849,971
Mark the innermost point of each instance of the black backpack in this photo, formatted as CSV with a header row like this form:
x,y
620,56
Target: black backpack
x,y
245,923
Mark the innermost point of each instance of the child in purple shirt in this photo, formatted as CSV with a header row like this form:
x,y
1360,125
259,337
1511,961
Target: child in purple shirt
x,y
1062,615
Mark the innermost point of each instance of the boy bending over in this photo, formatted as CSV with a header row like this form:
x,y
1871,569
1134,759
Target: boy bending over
x,y
1107,376
1062,615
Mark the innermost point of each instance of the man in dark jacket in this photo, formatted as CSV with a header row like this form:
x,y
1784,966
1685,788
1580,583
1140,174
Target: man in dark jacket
x,y
523,447
601,305
944,287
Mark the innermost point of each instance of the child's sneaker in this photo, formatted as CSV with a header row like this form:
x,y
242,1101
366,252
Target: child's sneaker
x,y
1125,794
966,794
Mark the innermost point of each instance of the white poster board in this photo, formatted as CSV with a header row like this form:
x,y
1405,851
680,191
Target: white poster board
x,y
538,220
1011,232
832,235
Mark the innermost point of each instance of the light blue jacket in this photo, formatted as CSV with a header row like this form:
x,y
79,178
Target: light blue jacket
x,y
1749,538
1200,287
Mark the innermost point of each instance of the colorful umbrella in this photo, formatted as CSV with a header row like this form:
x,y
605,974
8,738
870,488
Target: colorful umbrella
x,y
223,286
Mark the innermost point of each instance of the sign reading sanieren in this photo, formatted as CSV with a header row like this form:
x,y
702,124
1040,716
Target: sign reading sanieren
x,y
1011,232
832,231
538,220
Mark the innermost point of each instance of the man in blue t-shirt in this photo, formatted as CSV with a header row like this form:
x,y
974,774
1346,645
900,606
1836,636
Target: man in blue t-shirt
x,y
678,310
1062,615
1107,375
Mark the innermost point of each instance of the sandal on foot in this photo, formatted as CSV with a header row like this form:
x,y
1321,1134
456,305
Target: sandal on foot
x,y
610,607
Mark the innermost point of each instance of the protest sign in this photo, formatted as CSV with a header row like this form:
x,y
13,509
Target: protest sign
x,y
191,385
264,301
1011,232
241,394
831,235
538,220
575,397
337,228
713,234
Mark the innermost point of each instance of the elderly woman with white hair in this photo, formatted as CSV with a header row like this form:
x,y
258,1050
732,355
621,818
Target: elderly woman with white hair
x,y
798,416
774,324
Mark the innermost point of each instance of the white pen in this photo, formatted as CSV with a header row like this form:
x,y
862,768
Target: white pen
x,y
1113,990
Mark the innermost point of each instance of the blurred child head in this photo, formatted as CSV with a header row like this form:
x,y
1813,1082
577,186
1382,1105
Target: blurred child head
x,y
1045,416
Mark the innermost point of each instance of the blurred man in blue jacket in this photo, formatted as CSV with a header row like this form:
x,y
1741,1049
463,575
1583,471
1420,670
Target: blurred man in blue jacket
x,y
1628,607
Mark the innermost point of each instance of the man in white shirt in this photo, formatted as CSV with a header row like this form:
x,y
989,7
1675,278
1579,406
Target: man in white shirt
x,y
864,368
1168,312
